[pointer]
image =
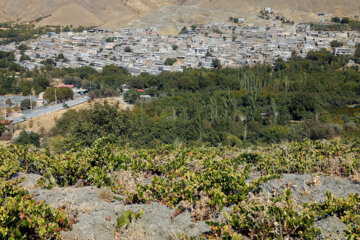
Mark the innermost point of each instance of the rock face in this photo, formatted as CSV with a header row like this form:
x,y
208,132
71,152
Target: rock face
x,y
164,13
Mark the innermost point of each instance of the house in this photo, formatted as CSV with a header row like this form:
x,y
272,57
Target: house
x,y
65,86
268,10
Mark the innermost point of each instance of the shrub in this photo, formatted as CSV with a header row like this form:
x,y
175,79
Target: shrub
x,y
28,138
170,61
318,130
24,218
301,106
25,104
216,63
128,217
62,93
336,43
132,96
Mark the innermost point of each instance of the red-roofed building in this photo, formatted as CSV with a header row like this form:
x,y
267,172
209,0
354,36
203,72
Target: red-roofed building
x,y
6,122
64,85
7,135
141,90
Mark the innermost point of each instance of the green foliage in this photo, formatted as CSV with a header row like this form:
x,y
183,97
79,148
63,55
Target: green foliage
x,y
345,20
20,32
109,39
86,126
40,84
127,49
280,217
132,96
208,54
356,56
335,19
21,217
128,217
26,104
2,128
276,218
301,105
62,93
170,61
204,180
175,47
335,44
184,30
22,47
28,138
216,63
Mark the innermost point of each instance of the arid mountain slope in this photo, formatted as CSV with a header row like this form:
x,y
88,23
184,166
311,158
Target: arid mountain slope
x,y
164,13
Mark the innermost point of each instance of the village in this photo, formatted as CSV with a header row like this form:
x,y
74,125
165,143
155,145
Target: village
x,y
143,50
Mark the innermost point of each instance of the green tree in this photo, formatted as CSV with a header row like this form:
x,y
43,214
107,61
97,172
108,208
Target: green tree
x,y
62,93
2,128
109,39
127,49
335,19
184,30
208,54
356,56
216,63
302,105
132,96
28,138
170,61
25,104
175,47
40,84
345,20
335,44
22,47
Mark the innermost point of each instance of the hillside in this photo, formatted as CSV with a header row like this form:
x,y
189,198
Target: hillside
x,y
297,190
165,14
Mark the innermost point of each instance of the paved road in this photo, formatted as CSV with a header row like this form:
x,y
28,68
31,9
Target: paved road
x,y
53,108
16,99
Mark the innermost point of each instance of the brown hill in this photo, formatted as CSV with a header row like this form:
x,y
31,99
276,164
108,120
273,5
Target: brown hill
x,y
166,14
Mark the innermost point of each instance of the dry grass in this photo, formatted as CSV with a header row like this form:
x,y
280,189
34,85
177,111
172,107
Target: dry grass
x,y
355,178
134,232
106,194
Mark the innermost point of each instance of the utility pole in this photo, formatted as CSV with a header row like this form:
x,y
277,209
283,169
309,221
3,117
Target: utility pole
x,y
4,109
55,96
30,103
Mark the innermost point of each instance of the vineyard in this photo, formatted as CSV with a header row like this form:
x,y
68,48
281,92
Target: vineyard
x,y
222,187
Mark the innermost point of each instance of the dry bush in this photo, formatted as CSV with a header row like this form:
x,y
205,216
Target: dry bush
x,y
106,194
314,181
203,209
134,232
126,181
355,178
42,132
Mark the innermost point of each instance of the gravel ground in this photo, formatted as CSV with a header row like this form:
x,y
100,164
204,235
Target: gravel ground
x,y
97,211
308,188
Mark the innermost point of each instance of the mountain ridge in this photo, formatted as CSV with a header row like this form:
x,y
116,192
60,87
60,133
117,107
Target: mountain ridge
x,y
118,13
